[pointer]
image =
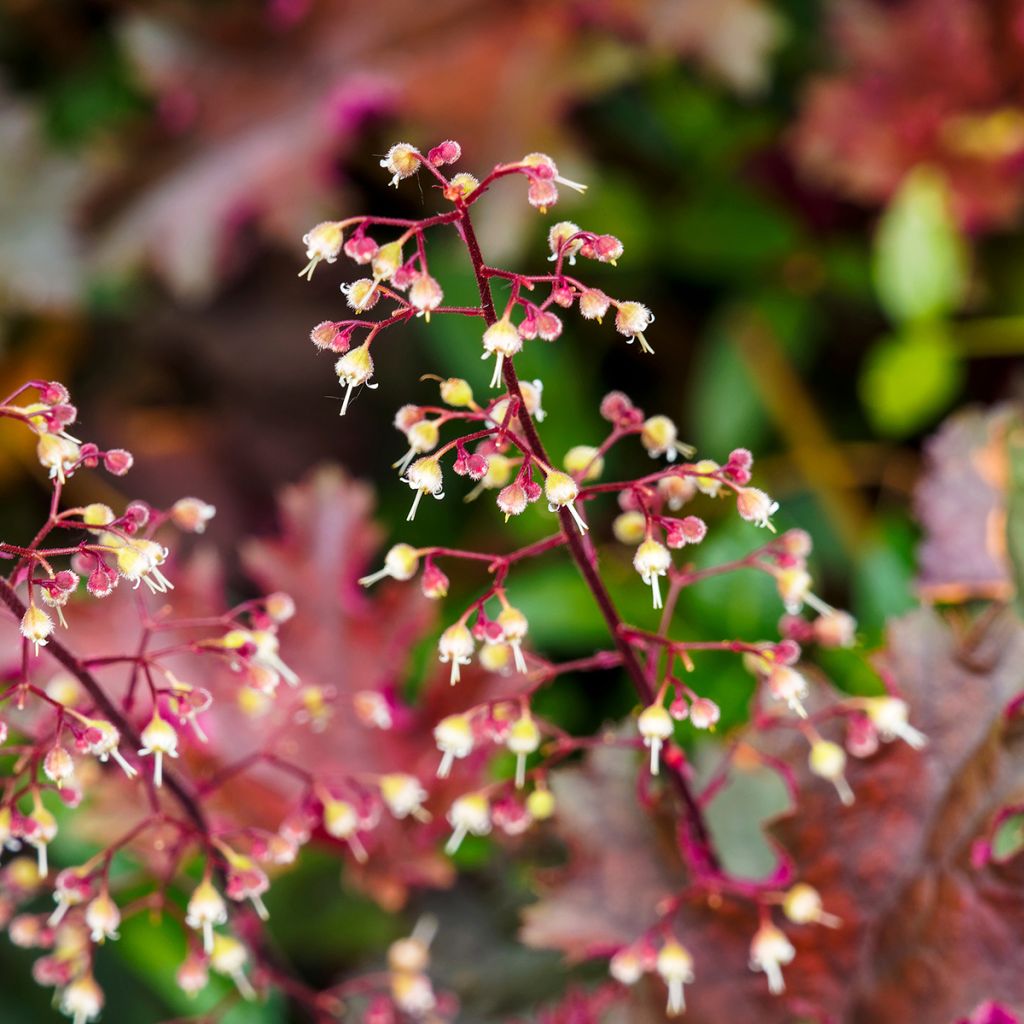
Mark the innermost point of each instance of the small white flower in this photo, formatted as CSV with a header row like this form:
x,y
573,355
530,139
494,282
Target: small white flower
x,y
769,951
652,560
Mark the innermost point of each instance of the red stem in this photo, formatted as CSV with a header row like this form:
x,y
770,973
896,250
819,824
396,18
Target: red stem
x,y
706,859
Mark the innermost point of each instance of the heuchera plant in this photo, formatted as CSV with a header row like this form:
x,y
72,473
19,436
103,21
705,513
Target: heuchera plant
x,y
496,443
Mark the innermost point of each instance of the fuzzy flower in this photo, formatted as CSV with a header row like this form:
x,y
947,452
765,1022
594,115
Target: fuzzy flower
x,y
769,951
890,716
828,761
159,738
341,820
756,507
424,477
456,646
354,369
82,1000
102,918
402,161
514,626
323,244
192,514
561,491
228,957
454,738
631,320
206,908
523,739
404,795
36,626
400,563
425,295
468,814
789,686
802,905
101,740
502,340
675,965
655,726
652,560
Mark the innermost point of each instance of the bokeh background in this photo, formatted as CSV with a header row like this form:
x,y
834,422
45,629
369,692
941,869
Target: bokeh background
x,y
821,203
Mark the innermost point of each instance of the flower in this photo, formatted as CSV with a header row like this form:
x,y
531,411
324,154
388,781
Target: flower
x,y
828,761
206,907
400,563
192,514
889,715
422,436
655,725
514,626
456,646
788,685
501,340
594,304
769,950
138,561
361,295
523,739
82,999
404,795
584,461
802,905
228,956
41,831
101,740
59,454
341,820
402,161
469,813
354,368
424,477
454,738
323,244
36,626
540,804
103,918
632,319
626,967
192,976
756,507
71,887
675,965
58,765
660,436
425,295
704,713
461,186
159,738
545,170
561,491
558,240
652,559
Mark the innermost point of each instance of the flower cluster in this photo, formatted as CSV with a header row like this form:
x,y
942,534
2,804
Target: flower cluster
x,y
495,443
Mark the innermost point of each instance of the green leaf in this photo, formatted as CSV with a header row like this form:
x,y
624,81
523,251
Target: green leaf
x,y
920,258
909,378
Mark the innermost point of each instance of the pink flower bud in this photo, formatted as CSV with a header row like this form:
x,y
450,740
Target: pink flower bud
x,y
448,152
117,461
512,500
330,335
606,249
549,327
89,454
51,392
361,248
434,582
102,581
563,296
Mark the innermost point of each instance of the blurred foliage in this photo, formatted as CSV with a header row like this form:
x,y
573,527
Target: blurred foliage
x,y
827,282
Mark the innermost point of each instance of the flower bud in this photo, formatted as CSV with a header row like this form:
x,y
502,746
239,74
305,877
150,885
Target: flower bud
x,y
460,187
629,527
584,459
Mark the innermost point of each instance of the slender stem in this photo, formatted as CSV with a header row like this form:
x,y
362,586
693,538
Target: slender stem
x,y
188,802
706,860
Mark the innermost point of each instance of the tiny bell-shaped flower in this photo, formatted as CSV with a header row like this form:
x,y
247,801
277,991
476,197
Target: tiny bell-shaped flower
x,y
36,626
102,918
889,715
655,726
626,966
460,187
523,739
469,813
404,795
631,320
502,340
323,244
42,831
512,500
756,507
652,560
341,820
770,950
514,626
82,1000
660,436
354,369
454,738
101,739
361,295
400,563
704,713
456,646
675,965
561,491
558,240
434,583
58,765
828,761
425,295
802,905
72,887
424,477
594,304
206,908
228,957
787,685
159,738
192,514
585,461
402,161
192,976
